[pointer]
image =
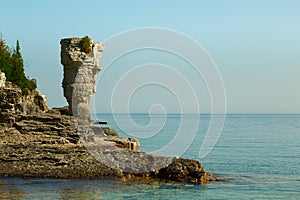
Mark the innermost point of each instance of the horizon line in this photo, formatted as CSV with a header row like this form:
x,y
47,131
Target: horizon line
x,y
140,113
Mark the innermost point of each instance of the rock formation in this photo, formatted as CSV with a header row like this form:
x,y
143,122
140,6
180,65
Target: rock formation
x,y
80,69
38,142
80,58
2,79
14,104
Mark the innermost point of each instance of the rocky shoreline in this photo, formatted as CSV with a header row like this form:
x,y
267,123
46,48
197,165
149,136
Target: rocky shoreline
x,y
39,142
47,145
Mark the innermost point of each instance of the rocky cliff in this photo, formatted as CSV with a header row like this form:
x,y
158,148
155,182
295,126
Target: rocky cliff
x,y
38,142
13,104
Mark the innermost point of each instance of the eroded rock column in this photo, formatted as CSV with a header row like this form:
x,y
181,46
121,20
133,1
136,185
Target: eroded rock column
x,y
80,58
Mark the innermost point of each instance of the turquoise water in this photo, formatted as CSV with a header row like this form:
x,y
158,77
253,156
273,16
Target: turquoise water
x,y
258,154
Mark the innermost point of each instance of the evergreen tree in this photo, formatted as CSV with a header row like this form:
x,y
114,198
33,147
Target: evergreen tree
x,y
18,48
11,63
5,60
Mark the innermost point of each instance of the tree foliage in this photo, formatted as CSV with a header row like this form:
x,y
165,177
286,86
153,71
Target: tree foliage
x,y
11,63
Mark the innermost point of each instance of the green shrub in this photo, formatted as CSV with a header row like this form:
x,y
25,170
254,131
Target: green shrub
x,y
85,44
25,91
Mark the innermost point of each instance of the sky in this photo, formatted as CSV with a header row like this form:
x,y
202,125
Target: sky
x,y
254,44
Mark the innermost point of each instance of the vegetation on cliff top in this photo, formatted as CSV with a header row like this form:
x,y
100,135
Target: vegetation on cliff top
x,y
85,44
11,63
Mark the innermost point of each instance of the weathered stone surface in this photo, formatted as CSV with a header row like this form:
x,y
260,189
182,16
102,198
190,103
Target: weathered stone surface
x,y
79,82
80,69
185,170
126,143
2,79
17,103
41,101
109,131
14,103
51,160
132,162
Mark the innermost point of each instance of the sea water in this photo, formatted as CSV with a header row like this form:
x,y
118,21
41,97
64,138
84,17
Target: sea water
x,y
258,156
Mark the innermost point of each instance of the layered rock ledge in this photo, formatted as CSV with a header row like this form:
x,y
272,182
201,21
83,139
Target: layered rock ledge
x,y
47,145
64,143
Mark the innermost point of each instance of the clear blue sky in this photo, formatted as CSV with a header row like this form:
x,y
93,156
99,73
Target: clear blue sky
x,y
255,44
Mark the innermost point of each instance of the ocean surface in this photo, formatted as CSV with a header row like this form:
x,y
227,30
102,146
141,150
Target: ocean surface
x,y
258,155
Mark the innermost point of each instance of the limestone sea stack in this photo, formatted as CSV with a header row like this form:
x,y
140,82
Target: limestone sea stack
x,y
80,58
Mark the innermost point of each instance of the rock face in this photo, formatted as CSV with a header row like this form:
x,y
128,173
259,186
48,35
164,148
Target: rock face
x,y
2,79
14,104
80,69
